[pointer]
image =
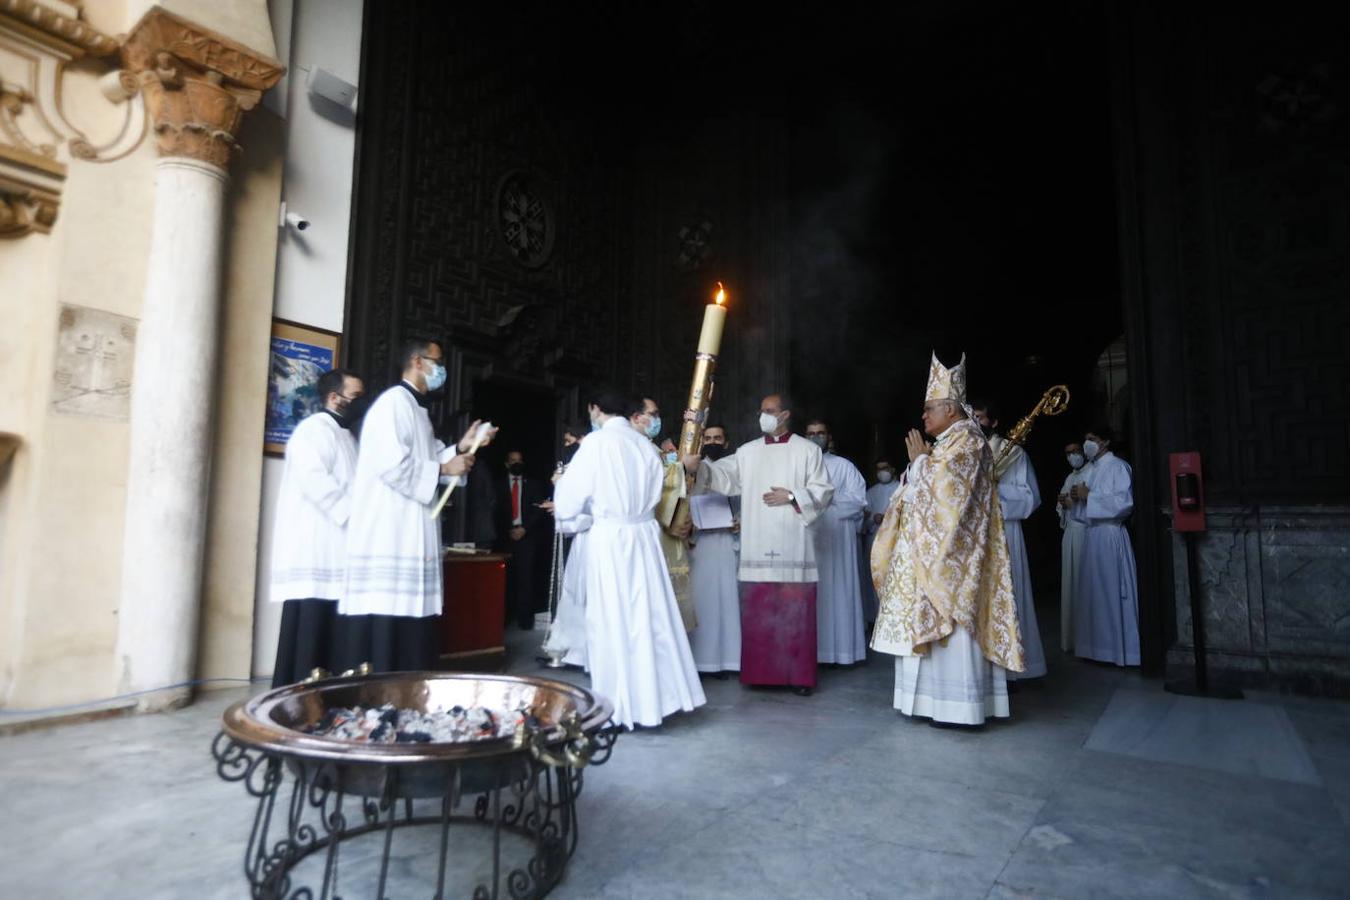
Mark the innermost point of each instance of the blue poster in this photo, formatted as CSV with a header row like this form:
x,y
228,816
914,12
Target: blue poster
x,y
292,385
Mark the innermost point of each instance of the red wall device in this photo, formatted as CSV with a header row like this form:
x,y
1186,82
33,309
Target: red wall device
x,y
1188,492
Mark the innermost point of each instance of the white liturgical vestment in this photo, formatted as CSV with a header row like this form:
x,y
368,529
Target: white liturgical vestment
x,y
309,542
393,544
839,612
1070,561
1106,615
636,646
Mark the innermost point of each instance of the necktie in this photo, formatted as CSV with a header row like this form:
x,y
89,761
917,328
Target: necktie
x,y
515,499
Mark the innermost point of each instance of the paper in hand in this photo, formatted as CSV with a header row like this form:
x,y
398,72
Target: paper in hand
x,y
711,511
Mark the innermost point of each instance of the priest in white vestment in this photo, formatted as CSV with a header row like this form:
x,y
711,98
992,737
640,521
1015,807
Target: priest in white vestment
x,y
393,595
714,555
840,637
1071,544
1019,496
940,564
784,488
878,498
1106,617
636,644
309,539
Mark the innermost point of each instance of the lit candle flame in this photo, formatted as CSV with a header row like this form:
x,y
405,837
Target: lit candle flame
x,y
721,294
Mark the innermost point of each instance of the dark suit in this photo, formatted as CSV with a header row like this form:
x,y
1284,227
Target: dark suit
x,y
531,554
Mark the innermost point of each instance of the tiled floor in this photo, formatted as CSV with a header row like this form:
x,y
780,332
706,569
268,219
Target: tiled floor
x,y
766,794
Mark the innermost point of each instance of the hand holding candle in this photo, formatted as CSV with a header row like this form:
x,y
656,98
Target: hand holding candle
x,y
481,434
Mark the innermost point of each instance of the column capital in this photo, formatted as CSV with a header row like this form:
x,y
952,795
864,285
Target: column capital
x,y
197,84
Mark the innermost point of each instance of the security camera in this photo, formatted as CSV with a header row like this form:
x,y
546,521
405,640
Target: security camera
x,y
293,219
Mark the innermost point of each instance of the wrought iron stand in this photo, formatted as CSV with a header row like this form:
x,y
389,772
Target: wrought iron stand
x,y
531,793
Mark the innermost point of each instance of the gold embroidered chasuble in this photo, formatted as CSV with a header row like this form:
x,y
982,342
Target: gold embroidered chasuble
x,y
674,489
940,560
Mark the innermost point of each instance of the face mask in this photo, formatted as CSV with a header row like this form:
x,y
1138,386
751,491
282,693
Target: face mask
x,y
569,451
1076,460
714,452
595,425
516,468
819,440
1091,449
768,423
988,431
885,476
653,430
670,458
436,380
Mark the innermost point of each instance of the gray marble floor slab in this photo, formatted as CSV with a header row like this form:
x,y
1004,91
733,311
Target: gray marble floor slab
x,y
1235,736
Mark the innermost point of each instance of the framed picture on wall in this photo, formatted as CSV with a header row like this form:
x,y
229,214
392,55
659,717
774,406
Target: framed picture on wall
x,y
300,354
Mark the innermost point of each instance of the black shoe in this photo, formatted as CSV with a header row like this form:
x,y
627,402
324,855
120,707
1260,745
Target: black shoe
x,y
803,691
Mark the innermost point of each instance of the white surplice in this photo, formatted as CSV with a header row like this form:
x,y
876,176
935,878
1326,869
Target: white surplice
x,y
878,498
393,544
1020,496
567,634
776,543
309,542
1070,560
1106,612
839,612
636,645
713,558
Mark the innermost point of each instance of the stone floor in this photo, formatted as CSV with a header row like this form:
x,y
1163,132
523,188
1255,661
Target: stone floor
x,y
766,794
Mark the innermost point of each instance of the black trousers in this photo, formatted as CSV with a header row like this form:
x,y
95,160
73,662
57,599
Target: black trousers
x,y
307,640
389,643
524,588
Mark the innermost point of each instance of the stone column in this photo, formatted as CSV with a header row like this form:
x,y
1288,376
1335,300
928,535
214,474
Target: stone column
x,y
197,87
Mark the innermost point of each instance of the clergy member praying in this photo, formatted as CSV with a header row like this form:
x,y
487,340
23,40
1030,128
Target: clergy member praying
x,y
309,539
636,646
393,595
940,563
1071,544
784,487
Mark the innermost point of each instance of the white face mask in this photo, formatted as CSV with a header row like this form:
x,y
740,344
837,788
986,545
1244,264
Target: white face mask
x,y
1091,449
885,476
1076,460
768,423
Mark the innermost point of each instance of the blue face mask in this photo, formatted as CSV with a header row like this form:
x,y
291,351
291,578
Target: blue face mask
x,y
671,458
595,426
436,380
654,428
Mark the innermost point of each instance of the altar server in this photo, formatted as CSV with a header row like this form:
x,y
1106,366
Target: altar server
x,y
393,594
713,558
839,613
636,645
784,488
1071,544
309,539
1106,615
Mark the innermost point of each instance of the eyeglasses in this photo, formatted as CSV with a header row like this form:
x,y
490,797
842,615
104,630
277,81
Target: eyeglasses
x,y
433,359
350,399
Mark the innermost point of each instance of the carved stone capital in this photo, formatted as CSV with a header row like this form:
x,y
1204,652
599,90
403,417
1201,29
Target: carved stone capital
x,y
197,84
30,192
